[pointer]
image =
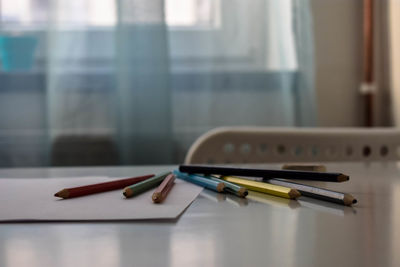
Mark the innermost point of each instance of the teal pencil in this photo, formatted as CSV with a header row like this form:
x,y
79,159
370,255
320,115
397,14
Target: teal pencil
x,y
201,181
138,188
231,187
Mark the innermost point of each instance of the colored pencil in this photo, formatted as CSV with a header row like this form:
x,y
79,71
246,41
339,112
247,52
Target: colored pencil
x,y
231,187
138,188
316,192
99,188
265,173
201,181
275,190
163,189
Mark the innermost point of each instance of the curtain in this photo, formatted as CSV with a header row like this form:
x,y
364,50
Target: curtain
x,y
304,43
137,81
257,69
143,83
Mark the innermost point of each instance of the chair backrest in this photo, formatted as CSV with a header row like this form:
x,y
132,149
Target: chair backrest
x,y
84,150
264,144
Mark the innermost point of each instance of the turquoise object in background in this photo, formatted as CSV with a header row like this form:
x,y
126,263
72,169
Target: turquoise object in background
x,y
17,52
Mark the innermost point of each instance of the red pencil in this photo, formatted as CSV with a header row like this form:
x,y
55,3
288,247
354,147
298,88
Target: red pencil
x,y
99,188
163,189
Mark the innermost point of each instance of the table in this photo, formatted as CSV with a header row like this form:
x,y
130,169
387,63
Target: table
x,y
223,231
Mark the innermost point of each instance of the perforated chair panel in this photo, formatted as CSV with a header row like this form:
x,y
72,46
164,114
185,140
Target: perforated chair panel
x,y
265,144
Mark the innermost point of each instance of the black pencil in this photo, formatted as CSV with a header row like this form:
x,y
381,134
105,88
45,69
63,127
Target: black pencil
x,y
316,192
265,173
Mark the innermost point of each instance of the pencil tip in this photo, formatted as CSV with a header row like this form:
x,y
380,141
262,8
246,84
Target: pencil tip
x,y
63,193
348,200
343,178
127,192
156,197
220,187
243,192
294,193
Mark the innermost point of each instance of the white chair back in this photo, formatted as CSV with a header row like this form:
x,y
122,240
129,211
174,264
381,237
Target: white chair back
x,y
265,144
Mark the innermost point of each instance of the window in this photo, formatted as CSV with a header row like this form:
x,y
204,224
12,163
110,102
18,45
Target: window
x,y
208,35
191,13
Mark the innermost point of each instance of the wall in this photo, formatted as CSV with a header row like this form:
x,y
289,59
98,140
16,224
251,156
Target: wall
x,y
338,42
394,20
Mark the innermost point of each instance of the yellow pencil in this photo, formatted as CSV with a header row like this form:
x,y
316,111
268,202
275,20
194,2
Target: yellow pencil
x,y
276,190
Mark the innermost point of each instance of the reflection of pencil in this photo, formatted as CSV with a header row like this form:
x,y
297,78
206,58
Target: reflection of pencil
x,y
213,196
271,189
272,200
138,188
326,207
237,201
304,167
163,189
316,192
99,188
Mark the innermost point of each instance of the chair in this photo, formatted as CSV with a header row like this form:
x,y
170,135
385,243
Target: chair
x,y
84,150
265,144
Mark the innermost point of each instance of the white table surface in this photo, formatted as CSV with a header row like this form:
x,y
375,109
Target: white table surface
x,y
218,230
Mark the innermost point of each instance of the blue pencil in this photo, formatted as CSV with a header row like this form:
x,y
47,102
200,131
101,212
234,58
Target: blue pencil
x,y
201,181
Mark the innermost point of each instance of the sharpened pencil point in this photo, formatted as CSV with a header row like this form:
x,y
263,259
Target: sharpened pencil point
x,y
127,192
343,178
294,193
348,200
220,187
156,197
63,193
243,192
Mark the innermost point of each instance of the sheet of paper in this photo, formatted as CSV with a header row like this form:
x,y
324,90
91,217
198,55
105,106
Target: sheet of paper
x,y
33,199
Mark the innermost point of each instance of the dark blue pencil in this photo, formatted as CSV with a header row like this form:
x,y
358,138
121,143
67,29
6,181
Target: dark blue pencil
x,y
265,173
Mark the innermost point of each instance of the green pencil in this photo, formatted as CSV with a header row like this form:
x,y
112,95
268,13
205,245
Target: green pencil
x,y
138,188
231,187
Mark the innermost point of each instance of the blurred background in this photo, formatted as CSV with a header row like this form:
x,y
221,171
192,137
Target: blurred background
x,y
118,82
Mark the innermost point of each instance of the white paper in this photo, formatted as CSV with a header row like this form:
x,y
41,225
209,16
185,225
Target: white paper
x,y
33,199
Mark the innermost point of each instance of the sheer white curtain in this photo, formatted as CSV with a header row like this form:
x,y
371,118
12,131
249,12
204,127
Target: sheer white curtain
x,y
140,80
143,83
254,66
